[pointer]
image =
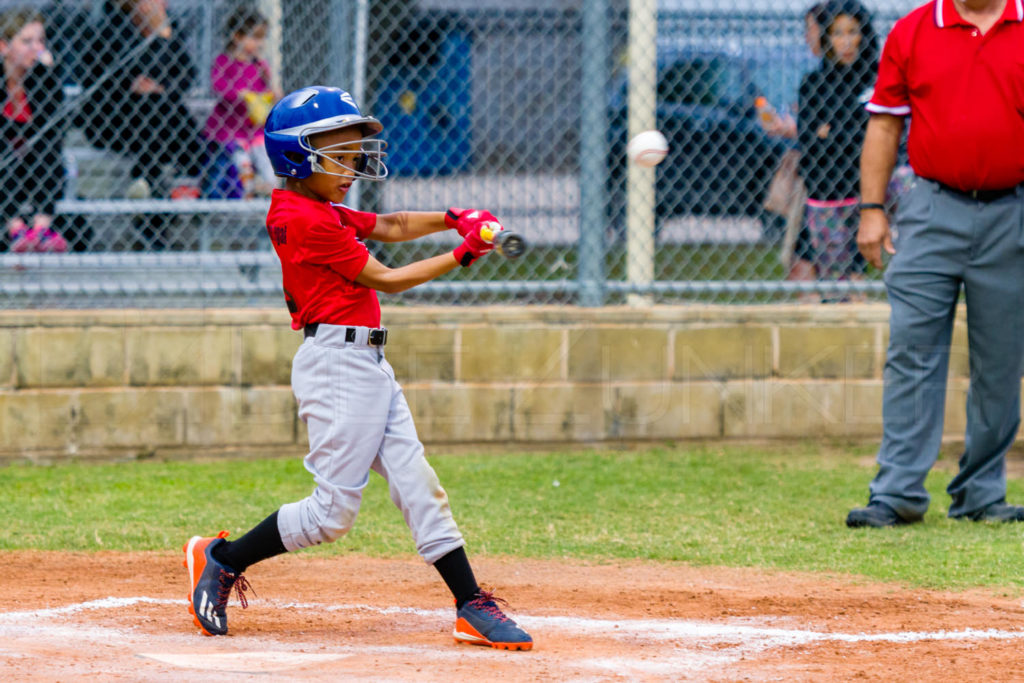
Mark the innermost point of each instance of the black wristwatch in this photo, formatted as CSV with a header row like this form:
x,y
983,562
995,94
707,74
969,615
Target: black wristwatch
x,y
870,205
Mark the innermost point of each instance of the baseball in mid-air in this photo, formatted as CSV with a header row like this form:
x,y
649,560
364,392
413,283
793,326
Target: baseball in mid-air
x,y
647,148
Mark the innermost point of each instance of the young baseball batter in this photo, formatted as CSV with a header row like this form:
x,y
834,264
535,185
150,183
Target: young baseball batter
x,y
357,416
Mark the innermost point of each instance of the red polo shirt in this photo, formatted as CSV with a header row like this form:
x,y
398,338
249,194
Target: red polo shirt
x,y
964,93
321,251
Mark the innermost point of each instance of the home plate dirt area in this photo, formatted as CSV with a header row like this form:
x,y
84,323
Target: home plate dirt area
x,y
123,616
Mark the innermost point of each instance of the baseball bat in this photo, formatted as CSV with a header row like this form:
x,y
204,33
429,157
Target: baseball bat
x,y
509,244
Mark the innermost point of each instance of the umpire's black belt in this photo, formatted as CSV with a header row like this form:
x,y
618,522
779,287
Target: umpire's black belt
x,y
374,337
984,196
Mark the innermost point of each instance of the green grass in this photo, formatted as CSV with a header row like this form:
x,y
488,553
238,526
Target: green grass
x,y
739,506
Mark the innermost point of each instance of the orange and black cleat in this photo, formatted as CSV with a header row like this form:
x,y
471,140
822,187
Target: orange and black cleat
x,y
210,584
481,622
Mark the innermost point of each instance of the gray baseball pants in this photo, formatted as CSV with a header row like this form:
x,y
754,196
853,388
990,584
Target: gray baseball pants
x,y
358,420
946,241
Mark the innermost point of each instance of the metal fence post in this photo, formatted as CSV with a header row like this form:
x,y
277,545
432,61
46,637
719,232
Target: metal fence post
x,y
274,12
593,152
341,46
359,79
643,29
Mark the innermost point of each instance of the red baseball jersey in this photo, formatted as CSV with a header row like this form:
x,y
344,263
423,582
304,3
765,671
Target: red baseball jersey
x,y
322,253
964,92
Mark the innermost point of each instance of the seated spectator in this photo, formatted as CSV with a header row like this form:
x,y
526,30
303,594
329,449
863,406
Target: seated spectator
x,y
141,66
238,164
32,170
138,73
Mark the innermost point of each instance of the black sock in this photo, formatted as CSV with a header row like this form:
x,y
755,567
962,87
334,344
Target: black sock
x,y
456,572
261,542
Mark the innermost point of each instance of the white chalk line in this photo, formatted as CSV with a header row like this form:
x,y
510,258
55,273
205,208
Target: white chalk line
x,y
660,629
697,644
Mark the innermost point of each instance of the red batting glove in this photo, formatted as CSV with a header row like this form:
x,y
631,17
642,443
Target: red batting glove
x,y
472,248
467,221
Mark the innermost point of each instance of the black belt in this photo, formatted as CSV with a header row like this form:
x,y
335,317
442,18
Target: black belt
x,y
377,337
984,196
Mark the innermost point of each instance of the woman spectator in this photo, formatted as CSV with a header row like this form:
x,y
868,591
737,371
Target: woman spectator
x,y
797,255
831,125
32,171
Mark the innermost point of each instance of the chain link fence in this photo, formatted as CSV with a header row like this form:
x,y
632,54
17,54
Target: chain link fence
x,y
133,171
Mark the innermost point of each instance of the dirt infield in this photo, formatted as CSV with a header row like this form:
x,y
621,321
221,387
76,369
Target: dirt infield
x,y
117,616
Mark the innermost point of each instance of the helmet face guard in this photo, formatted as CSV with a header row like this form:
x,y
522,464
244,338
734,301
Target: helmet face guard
x,y
319,109
366,154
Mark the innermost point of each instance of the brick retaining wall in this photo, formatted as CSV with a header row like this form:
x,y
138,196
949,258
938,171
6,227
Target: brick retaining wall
x,y
102,384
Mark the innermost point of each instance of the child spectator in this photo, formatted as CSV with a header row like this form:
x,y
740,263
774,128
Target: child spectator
x,y
32,169
238,164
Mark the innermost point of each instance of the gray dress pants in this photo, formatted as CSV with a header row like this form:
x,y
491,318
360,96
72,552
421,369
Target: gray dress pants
x,y
946,241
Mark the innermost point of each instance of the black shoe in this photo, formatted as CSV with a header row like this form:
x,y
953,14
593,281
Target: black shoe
x,y
876,515
999,511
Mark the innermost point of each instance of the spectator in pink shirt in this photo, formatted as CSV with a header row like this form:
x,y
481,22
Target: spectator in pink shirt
x,y
245,92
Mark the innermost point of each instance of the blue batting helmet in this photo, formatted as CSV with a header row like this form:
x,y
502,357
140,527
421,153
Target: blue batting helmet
x,y
318,109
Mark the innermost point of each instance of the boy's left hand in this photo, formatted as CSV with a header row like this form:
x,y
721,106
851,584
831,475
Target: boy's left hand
x,y
472,248
468,221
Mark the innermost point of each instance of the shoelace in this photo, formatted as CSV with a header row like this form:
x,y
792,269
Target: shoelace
x,y
488,602
240,584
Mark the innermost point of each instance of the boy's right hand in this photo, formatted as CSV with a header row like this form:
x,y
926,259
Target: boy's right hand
x,y
472,248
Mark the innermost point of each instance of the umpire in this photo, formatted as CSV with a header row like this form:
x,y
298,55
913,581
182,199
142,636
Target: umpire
x,y
956,67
